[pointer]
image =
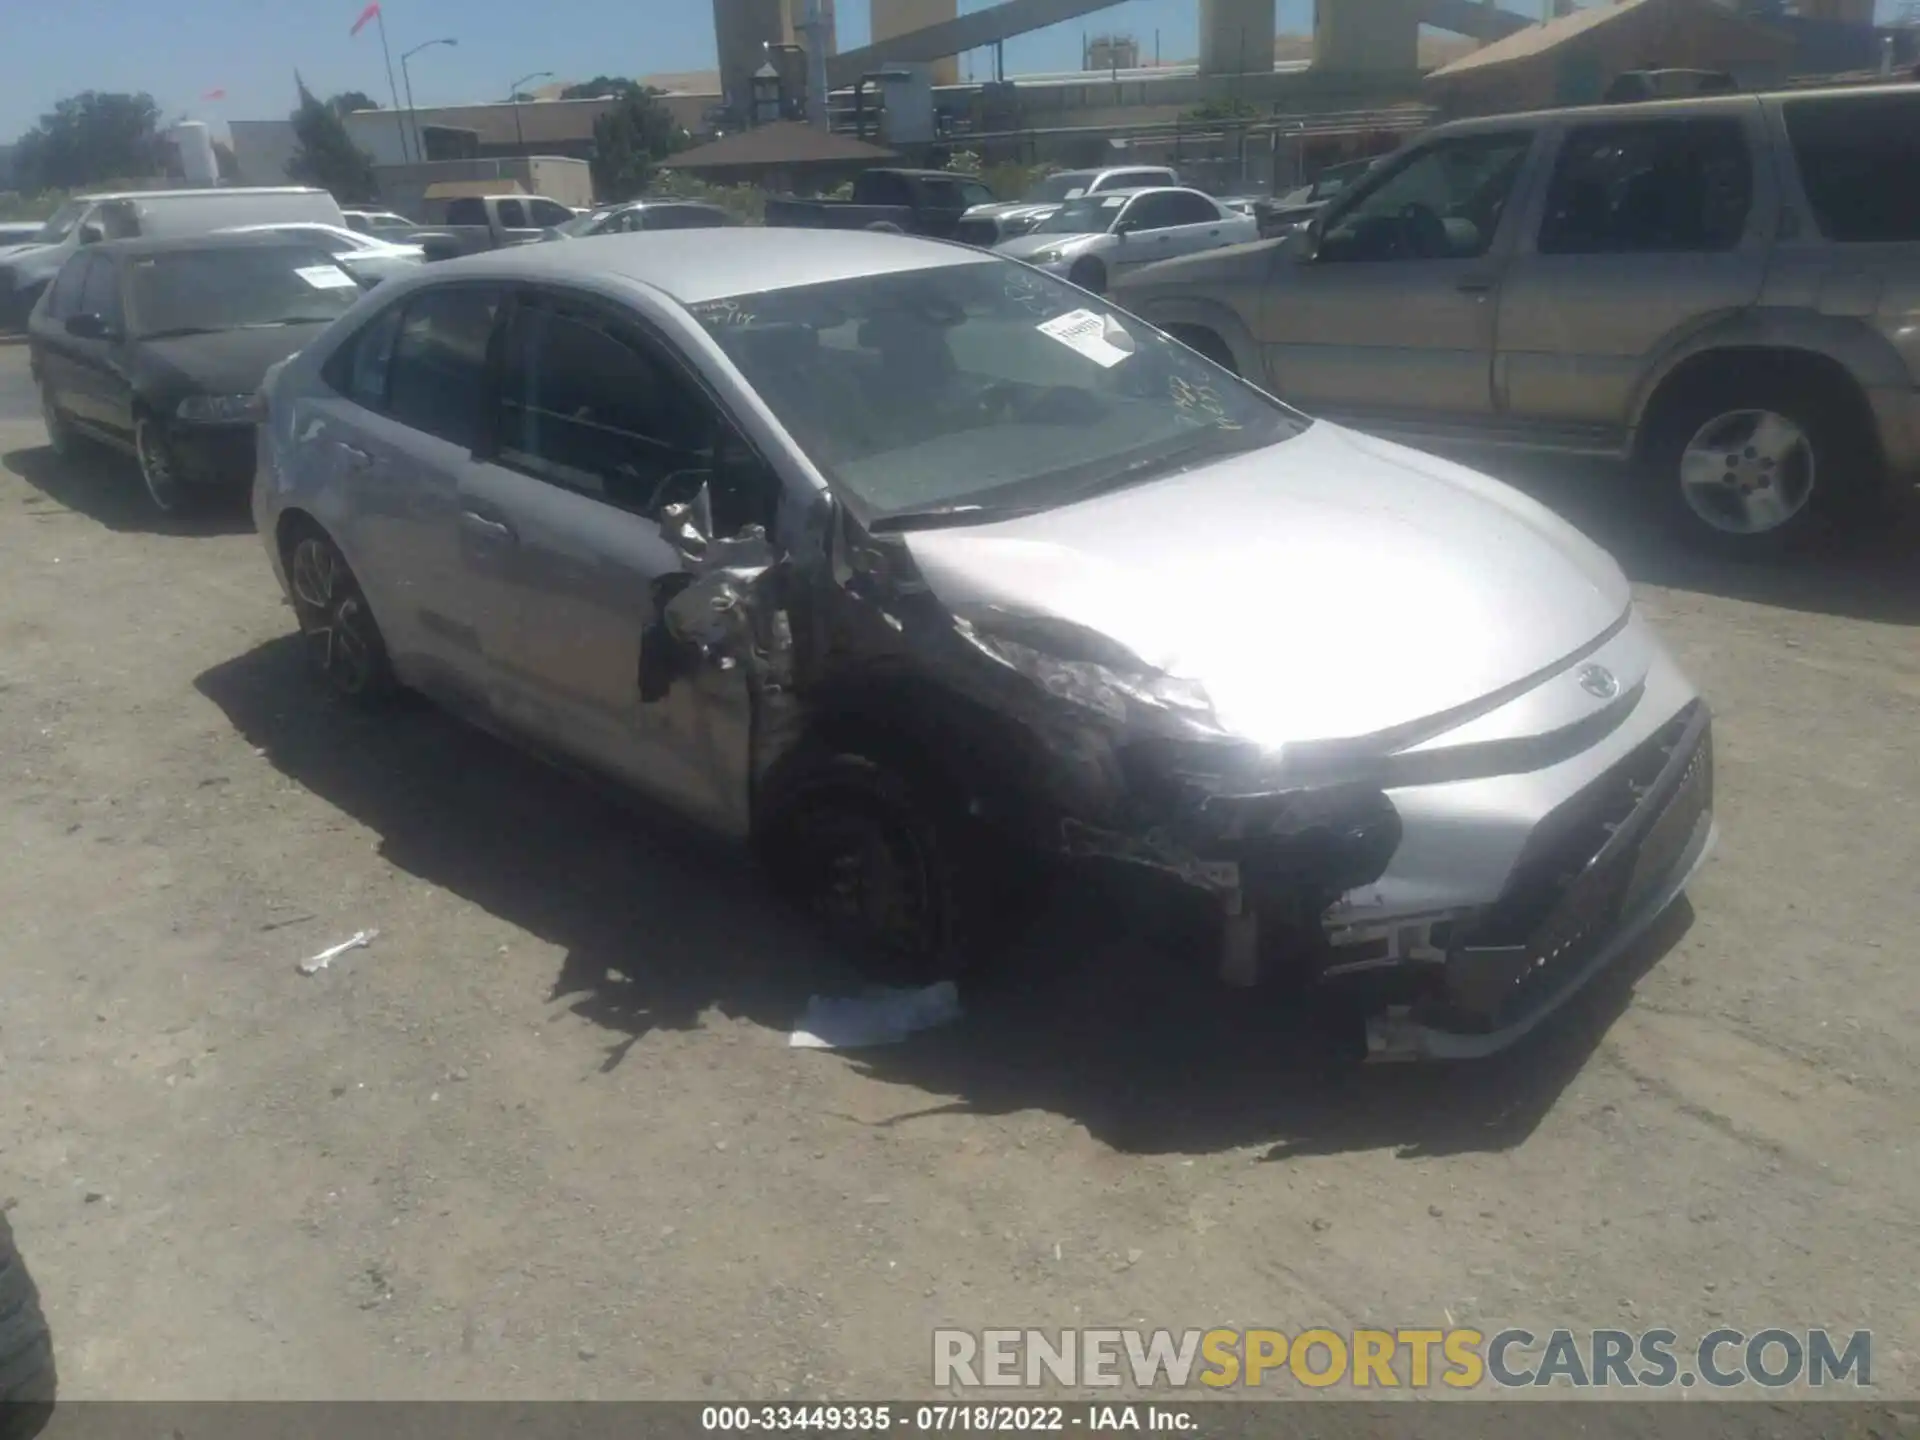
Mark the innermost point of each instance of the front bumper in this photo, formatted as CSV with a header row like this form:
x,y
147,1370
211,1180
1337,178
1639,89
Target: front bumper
x,y
1594,877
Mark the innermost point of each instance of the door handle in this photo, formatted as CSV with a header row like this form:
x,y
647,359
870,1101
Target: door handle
x,y
1475,287
498,529
357,459
1214,231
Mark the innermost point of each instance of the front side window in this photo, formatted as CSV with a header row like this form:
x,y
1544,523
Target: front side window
x,y
512,214
981,385
1149,212
589,405
1859,162
68,287
101,295
1659,186
359,368
467,210
236,287
119,220
60,224
972,192
547,214
1087,215
1443,203
439,366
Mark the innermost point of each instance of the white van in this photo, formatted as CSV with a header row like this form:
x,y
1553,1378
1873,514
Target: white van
x,y
26,270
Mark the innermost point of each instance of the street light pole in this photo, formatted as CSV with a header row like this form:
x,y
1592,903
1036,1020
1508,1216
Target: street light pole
x,y
513,94
406,77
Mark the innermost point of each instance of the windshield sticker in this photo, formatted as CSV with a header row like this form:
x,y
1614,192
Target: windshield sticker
x,y
1092,334
326,277
1199,404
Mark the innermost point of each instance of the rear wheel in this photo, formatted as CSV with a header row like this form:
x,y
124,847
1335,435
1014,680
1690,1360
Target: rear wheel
x,y
1089,274
1755,464
345,650
28,1380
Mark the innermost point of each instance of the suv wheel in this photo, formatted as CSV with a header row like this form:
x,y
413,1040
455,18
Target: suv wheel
x,y
1754,465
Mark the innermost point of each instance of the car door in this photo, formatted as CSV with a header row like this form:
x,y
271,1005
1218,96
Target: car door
x,y
100,393
1644,229
393,445
54,347
1146,231
1200,223
599,424
1391,316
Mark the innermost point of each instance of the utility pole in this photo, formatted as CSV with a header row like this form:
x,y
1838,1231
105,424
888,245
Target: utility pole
x,y
406,75
815,29
513,94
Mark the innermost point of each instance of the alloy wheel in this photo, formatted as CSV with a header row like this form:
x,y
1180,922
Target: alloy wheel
x,y
341,641
1748,472
159,471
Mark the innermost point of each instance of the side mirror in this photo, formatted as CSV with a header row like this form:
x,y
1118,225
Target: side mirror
x,y
688,524
1306,245
91,234
439,247
90,327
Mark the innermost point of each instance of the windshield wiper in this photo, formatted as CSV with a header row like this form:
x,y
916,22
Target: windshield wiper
x,y
175,331
960,513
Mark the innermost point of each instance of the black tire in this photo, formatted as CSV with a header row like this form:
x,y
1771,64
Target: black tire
x,y
61,438
160,477
345,649
885,857
1089,274
28,1380
1205,342
1722,431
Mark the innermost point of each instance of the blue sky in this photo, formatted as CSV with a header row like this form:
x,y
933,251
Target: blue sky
x,y
250,48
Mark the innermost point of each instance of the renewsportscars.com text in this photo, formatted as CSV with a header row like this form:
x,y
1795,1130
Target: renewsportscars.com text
x,y
1457,1359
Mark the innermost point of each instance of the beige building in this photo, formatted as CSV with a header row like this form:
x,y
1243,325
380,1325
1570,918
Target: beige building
x,y
900,17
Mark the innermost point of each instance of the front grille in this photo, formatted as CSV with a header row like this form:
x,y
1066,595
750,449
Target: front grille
x,y
1589,865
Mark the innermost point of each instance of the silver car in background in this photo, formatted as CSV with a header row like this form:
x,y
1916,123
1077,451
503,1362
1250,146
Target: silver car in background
x,y
1093,239
922,570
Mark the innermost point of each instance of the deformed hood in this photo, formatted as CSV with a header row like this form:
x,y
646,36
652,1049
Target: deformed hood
x,y
1332,586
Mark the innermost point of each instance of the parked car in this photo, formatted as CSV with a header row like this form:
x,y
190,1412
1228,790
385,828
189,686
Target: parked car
x,y
1094,238
915,202
382,224
367,259
19,232
27,270
1721,289
29,1378
157,348
488,222
644,215
989,224
922,570
1300,205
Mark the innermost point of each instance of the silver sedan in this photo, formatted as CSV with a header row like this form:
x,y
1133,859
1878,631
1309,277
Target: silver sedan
x,y
921,570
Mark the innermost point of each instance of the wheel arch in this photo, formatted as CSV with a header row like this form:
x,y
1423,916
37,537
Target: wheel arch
x,y
1175,314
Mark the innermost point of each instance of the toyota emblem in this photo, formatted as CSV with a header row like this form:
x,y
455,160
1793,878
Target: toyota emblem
x,y
1598,682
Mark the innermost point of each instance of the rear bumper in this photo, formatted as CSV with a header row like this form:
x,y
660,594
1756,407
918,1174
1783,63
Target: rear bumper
x,y
1522,961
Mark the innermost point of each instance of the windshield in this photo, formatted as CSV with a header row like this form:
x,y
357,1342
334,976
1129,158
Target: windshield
x,y
978,387
61,223
1055,188
1089,215
235,287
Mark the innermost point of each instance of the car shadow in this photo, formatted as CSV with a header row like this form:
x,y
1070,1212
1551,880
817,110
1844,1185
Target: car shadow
x,y
1105,1012
1871,574
105,487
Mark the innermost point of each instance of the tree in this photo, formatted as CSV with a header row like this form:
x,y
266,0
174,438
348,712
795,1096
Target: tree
x,y
348,101
630,141
326,155
603,85
90,137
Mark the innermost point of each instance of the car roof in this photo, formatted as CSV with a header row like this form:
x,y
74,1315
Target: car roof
x,y
691,266
214,240
1678,105
201,190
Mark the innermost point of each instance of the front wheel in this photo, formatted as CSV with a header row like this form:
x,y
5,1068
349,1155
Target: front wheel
x,y
1755,466
160,467
345,650
1089,275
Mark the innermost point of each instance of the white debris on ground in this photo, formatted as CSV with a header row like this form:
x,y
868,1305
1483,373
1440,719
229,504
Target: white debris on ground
x,y
877,1017
333,952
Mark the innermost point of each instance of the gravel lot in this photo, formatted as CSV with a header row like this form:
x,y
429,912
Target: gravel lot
x,y
544,1138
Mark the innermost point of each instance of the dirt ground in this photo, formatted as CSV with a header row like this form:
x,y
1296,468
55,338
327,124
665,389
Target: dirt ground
x,y
545,1136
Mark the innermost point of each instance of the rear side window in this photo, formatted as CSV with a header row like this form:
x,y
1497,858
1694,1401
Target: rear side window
x,y
439,364
513,215
1657,186
879,188
1859,162
65,299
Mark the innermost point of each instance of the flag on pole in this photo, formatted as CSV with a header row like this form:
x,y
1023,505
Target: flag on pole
x,y
214,95
372,12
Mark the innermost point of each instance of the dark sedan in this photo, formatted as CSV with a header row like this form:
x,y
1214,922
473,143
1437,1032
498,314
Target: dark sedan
x,y
157,348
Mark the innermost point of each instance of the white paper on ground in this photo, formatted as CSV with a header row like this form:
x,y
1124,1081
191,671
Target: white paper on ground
x,y
1086,331
326,277
879,1017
